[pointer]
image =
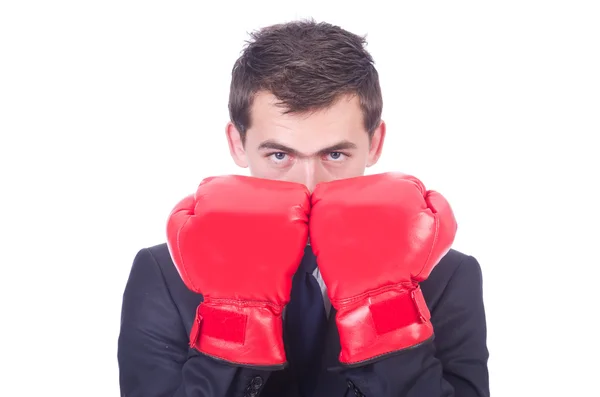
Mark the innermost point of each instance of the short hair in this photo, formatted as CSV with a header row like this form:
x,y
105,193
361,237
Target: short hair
x,y
307,66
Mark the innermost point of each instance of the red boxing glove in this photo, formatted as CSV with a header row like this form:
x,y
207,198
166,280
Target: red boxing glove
x,y
238,241
376,237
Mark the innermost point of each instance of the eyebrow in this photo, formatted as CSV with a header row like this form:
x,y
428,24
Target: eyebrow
x,y
270,144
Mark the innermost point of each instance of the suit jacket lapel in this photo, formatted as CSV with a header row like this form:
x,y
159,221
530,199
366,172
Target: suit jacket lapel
x,y
331,383
332,343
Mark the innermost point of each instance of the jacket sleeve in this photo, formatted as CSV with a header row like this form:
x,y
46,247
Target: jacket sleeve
x,y
454,364
153,354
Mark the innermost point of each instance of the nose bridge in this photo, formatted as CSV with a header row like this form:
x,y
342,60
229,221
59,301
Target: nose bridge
x,y
312,170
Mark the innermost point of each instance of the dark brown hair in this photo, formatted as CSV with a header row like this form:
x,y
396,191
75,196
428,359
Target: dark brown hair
x,y
307,66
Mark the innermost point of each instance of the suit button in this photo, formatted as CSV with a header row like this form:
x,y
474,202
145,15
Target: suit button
x,y
257,382
254,387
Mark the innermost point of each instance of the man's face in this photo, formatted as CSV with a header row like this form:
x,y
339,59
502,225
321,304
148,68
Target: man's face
x,y
306,148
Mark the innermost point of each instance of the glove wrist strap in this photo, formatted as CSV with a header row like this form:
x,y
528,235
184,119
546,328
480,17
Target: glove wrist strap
x,y
243,333
390,321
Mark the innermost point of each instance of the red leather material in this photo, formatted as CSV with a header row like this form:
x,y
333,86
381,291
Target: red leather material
x,y
376,237
238,241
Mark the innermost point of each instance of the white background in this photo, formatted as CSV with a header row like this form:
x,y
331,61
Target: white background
x,y
110,111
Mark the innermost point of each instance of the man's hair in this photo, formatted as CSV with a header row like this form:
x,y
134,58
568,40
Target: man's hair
x,y
307,66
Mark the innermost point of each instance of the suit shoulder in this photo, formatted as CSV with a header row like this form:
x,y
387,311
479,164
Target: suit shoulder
x,y
460,272
184,298
161,254
156,260
457,261
456,270
146,267
157,255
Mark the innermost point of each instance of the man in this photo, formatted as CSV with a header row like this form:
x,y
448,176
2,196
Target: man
x,y
234,303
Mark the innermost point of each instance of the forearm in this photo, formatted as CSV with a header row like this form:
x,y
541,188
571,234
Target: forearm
x,y
414,372
154,356
205,377
198,376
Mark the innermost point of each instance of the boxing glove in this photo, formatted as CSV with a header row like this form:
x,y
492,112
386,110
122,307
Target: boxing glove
x,y
238,241
376,238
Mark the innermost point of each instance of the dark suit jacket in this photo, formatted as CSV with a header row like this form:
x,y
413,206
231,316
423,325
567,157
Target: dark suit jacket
x,y
155,359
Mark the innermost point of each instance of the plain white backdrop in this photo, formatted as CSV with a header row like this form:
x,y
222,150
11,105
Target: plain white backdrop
x,y
110,111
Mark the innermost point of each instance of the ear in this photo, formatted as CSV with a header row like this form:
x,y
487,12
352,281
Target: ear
x,y
377,140
236,146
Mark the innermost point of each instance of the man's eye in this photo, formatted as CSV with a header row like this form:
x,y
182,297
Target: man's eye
x,y
336,155
278,156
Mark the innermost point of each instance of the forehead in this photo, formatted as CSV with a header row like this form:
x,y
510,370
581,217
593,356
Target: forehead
x,y
308,131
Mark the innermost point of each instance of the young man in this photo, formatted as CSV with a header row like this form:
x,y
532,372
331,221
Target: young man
x,y
234,305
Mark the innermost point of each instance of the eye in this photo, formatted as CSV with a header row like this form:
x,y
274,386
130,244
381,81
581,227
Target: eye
x,y
336,156
279,156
